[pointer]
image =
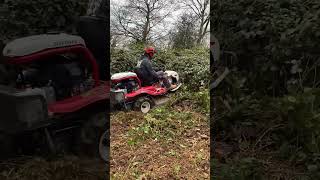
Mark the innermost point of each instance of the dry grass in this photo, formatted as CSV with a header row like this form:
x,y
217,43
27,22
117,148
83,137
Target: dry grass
x,y
184,154
64,168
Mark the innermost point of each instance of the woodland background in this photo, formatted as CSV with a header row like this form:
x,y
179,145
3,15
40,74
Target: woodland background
x,y
266,112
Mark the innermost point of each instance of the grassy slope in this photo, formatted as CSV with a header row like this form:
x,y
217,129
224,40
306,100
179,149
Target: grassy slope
x,y
171,142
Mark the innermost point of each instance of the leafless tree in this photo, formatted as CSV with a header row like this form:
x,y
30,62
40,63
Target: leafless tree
x,y
139,19
201,9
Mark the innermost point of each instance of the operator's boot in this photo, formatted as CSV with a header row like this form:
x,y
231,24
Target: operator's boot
x,y
173,86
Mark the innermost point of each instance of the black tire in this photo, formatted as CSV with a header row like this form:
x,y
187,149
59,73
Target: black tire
x,y
142,103
94,133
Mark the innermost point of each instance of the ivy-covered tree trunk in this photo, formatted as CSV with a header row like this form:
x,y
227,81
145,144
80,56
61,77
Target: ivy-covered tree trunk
x,y
94,30
97,8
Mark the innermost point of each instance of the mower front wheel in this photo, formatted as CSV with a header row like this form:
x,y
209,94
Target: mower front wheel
x,y
143,104
94,137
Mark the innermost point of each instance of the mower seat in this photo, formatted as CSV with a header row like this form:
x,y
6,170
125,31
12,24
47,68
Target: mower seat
x,y
143,82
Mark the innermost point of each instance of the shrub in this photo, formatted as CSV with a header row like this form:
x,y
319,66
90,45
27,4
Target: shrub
x,y
192,65
276,41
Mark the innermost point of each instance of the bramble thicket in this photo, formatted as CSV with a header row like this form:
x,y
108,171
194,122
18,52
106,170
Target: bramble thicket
x,y
269,128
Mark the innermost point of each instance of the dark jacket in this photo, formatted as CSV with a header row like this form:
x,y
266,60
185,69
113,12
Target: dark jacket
x,y
145,71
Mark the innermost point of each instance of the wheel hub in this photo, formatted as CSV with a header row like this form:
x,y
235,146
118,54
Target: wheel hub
x,y
145,107
104,146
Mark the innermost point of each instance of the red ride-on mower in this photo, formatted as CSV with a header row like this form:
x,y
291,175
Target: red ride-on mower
x,y
51,97
128,92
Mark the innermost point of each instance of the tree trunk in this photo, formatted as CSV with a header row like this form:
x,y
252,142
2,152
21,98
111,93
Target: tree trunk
x,y
146,31
199,40
147,25
97,8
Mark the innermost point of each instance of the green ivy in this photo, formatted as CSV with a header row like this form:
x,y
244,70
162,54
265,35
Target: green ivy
x,y
23,18
269,36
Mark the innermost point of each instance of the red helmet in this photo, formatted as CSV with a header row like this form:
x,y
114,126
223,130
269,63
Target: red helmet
x,y
150,51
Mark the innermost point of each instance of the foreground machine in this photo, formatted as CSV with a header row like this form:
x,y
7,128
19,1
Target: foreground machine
x,y
130,94
52,96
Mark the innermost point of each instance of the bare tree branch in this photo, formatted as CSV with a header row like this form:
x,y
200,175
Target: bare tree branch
x,y
200,8
138,18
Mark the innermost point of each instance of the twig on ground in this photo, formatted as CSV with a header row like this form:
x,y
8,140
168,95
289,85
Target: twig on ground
x,y
267,131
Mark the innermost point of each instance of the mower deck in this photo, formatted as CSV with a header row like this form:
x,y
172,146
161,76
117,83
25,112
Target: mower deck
x,y
161,100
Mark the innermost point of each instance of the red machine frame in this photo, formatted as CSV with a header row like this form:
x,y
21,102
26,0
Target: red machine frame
x,y
100,91
153,90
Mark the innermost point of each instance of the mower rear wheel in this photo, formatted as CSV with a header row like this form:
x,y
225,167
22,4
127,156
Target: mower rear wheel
x,y
94,137
143,104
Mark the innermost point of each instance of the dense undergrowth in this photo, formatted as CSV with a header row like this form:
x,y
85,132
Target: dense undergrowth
x,y
266,113
21,18
191,64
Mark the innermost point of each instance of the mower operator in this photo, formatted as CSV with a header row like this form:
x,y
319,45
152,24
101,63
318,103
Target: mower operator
x,y
146,72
